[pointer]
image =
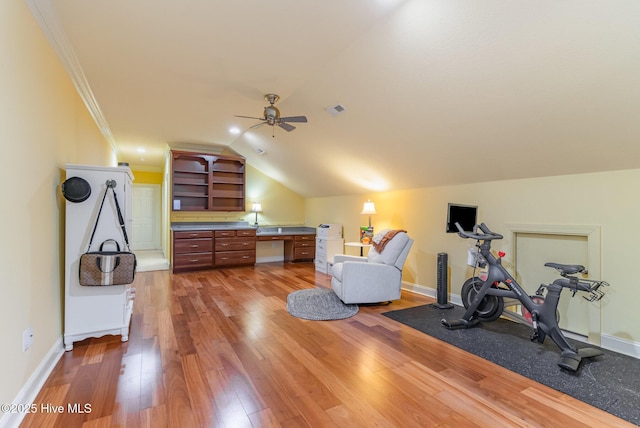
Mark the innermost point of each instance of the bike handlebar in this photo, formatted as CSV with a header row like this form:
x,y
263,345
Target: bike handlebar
x,y
486,234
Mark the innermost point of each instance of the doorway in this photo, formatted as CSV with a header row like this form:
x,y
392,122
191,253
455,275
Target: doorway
x,y
146,215
146,231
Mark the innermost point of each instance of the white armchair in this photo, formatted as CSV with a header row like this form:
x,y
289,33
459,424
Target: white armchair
x,y
372,279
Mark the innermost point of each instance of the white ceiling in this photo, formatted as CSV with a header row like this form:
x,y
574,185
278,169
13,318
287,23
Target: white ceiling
x,y
437,92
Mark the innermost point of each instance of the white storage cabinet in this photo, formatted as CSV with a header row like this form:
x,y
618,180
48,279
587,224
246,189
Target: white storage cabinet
x,y
329,242
96,311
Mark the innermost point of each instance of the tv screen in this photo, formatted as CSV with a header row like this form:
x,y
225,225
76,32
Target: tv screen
x,y
466,215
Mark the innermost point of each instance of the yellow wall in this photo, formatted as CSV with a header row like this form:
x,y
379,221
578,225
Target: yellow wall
x,y
147,177
43,125
600,199
280,205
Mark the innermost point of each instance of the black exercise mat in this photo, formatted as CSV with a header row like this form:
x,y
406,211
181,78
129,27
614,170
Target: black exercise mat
x,y
610,382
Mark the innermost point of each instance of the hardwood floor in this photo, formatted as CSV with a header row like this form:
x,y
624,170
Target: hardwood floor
x,y
219,349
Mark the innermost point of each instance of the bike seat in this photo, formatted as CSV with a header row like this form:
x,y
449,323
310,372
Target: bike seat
x,y
566,269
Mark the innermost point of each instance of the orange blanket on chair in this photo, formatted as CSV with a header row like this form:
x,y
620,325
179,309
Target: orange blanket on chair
x,y
379,246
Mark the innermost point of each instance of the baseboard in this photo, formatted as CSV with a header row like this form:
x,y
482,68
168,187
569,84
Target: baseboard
x,y
429,291
607,341
30,390
269,259
620,345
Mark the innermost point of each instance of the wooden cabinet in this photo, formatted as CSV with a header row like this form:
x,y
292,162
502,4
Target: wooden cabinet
x,y
206,249
204,182
304,247
192,250
235,247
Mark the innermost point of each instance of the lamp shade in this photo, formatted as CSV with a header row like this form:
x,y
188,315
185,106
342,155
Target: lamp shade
x,y
256,207
368,208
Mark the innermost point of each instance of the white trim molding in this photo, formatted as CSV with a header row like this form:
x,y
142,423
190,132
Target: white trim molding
x,y
30,390
592,233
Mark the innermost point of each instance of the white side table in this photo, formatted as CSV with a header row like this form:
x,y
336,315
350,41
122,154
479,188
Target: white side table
x,y
358,244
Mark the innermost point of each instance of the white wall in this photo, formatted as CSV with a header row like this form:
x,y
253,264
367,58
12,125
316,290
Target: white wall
x,y
608,200
43,126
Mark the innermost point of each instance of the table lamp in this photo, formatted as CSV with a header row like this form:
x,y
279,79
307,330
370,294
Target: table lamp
x,y
368,209
256,208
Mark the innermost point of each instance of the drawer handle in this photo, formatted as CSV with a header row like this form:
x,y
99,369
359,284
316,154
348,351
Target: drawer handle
x,y
225,245
193,235
194,260
245,243
224,258
193,246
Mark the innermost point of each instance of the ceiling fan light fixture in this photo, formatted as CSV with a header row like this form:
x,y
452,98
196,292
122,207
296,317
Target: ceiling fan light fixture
x,y
271,116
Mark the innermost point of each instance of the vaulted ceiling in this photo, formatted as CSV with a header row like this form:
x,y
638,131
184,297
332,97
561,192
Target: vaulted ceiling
x,y
435,92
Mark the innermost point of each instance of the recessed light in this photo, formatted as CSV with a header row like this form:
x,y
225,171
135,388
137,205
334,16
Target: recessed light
x,y
234,130
140,150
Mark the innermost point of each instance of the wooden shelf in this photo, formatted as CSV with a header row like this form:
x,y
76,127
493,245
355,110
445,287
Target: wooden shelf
x,y
204,182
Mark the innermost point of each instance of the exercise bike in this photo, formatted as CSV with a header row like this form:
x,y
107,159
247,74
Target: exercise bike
x,y
483,299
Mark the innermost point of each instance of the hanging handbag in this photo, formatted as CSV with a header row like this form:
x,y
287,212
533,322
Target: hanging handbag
x,y
108,267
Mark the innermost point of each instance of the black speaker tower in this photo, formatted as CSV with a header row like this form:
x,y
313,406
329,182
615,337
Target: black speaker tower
x,y
441,290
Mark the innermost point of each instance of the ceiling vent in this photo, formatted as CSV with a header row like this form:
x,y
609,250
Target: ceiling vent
x,y
336,109
260,151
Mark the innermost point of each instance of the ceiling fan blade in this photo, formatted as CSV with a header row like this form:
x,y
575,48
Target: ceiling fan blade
x,y
286,126
251,117
302,119
257,125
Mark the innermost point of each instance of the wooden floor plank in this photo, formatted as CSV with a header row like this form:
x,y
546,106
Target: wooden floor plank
x,y
218,349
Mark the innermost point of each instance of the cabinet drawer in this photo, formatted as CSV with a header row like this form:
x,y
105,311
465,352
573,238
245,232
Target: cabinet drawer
x,y
304,253
184,246
225,258
275,238
310,238
246,232
233,244
184,261
193,234
225,233
300,244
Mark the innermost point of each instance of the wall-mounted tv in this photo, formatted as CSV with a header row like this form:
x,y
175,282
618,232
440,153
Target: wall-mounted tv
x,y
466,215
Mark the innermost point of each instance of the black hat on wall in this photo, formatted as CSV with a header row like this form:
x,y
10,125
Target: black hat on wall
x,y
76,189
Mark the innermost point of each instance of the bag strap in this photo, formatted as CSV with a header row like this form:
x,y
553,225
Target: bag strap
x,y
95,226
121,219
111,184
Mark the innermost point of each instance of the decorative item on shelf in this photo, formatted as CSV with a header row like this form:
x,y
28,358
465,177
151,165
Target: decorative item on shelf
x,y
256,208
366,233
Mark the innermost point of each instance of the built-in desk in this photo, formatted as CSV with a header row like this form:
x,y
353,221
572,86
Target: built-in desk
x,y
224,244
299,242
296,247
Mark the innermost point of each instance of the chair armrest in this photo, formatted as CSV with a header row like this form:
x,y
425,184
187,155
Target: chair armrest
x,y
340,258
369,272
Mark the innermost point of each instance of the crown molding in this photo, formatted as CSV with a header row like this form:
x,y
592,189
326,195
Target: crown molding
x,y
45,15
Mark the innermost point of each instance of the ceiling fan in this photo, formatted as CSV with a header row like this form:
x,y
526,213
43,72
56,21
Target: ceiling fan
x,y
271,116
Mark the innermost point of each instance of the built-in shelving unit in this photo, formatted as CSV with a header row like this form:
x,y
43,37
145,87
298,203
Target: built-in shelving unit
x,y
204,182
